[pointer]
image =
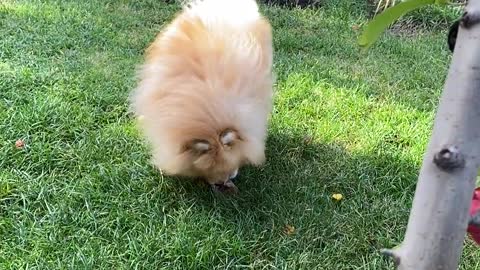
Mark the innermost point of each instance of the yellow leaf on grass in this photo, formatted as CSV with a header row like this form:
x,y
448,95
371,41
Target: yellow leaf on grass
x,y
337,196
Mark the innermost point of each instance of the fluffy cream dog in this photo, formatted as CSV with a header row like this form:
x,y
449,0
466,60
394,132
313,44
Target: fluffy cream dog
x,y
205,91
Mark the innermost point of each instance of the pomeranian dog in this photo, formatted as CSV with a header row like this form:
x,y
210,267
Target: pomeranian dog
x,y
205,91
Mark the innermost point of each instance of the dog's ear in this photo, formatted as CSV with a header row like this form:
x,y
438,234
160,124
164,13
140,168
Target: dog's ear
x,y
198,146
228,137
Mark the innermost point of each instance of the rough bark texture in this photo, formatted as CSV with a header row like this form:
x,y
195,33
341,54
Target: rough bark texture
x,y
439,216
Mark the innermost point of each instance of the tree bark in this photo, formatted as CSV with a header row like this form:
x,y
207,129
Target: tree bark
x,y
439,216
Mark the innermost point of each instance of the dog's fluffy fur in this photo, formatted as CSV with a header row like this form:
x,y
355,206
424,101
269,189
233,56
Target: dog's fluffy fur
x,y
205,90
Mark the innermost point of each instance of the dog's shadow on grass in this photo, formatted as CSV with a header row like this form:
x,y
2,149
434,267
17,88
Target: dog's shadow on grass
x,y
300,177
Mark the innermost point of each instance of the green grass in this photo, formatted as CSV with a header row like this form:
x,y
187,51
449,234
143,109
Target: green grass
x,y
82,195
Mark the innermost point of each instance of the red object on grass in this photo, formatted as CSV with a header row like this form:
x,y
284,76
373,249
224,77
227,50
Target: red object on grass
x,y
474,230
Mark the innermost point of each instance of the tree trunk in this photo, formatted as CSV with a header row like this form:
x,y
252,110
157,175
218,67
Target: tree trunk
x,y
438,220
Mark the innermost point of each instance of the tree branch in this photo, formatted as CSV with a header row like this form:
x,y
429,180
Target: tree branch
x,y
440,213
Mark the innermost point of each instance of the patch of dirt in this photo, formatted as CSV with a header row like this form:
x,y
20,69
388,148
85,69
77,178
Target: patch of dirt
x,y
294,3
405,29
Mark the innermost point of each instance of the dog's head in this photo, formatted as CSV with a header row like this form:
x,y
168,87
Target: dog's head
x,y
217,159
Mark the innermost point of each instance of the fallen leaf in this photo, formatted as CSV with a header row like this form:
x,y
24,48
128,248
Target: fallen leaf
x,y
19,144
337,196
307,139
289,229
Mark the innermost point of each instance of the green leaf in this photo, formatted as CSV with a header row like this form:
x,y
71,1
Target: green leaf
x,y
378,24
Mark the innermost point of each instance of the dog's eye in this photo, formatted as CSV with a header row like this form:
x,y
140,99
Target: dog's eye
x,y
198,146
228,137
228,146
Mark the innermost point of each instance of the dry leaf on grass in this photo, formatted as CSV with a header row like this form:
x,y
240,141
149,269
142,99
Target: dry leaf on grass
x,y
289,229
19,144
307,139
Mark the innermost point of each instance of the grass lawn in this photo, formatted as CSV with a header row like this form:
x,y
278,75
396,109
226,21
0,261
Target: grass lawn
x,y
81,194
